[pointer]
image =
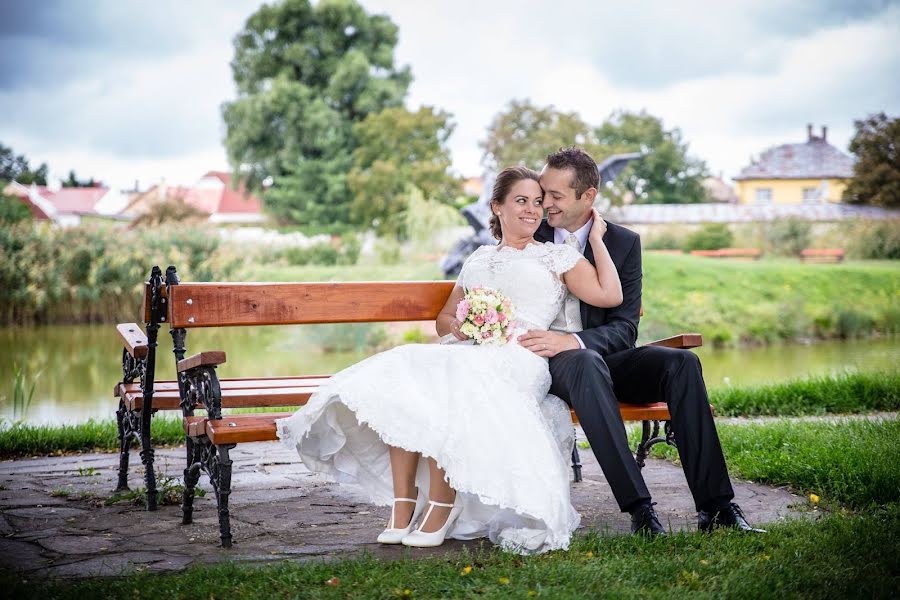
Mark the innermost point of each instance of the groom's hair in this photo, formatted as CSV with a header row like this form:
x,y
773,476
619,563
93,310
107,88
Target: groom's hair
x,y
507,178
585,174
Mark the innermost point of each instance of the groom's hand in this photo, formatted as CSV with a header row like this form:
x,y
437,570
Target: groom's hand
x,y
548,343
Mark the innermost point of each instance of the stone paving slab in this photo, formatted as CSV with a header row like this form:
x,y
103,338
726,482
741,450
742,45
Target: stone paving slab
x,y
54,521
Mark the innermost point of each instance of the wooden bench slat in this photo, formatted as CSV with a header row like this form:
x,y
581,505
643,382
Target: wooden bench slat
x,y
260,427
682,341
236,429
228,384
227,304
133,339
240,398
210,358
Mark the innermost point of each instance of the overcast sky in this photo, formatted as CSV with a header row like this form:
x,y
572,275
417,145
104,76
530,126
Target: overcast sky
x,y
126,90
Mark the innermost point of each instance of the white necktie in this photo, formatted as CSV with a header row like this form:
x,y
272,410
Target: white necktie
x,y
569,318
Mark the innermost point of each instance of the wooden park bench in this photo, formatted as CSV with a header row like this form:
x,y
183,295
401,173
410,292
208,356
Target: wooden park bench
x,y
737,253
210,437
822,255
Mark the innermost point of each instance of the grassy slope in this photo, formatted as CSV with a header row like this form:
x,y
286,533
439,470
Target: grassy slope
x,y
767,301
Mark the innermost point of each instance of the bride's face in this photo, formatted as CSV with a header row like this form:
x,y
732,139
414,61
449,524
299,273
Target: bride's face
x,y
522,209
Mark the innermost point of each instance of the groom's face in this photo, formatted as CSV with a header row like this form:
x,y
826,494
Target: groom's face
x,y
563,208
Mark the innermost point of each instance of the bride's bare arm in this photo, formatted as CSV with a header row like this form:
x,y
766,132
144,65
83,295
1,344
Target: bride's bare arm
x,y
598,286
446,320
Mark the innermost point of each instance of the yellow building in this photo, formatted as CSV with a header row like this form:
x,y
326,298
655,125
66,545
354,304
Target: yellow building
x,y
808,173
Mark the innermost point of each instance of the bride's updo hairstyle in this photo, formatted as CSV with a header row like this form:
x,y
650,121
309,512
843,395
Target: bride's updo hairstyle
x,y
507,178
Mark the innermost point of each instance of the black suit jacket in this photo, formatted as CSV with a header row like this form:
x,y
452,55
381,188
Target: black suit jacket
x,y
611,330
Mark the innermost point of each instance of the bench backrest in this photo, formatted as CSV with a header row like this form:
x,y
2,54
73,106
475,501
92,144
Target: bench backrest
x,y
229,304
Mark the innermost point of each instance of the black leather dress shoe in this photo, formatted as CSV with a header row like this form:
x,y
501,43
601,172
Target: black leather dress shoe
x,y
645,522
730,516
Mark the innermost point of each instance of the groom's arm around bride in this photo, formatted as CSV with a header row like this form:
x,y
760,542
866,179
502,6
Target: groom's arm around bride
x,y
594,363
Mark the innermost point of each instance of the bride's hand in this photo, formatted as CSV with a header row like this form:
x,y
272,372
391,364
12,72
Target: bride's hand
x,y
454,329
598,229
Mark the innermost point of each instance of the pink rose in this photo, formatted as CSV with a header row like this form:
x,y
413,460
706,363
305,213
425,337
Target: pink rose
x,y
501,317
462,309
478,320
491,316
487,335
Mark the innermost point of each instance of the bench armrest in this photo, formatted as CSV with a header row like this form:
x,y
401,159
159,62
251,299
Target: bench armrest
x,y
683,341
133,339
203,359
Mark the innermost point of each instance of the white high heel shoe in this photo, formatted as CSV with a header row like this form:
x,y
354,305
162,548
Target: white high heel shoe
x,y
421,539
394,535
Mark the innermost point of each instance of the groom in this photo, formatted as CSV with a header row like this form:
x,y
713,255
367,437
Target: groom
x,y
594,363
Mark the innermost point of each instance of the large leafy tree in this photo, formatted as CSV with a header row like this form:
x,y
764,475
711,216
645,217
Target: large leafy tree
x,y
398,150
305,74
666,174
16,168
876,174
524,134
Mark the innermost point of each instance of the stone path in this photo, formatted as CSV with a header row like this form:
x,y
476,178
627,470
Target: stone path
x,y
53,520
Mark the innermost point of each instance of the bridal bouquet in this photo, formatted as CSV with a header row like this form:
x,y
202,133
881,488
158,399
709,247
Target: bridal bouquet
x,y
486,316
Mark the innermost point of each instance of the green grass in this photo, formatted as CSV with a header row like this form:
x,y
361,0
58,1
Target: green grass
x,y
851,463
23,439
837,557
767,301
845,393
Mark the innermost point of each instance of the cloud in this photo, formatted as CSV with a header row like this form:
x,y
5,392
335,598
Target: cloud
x,y
736,77
127,89
90,85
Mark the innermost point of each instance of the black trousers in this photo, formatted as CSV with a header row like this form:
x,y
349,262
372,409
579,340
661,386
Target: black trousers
x,y
592,385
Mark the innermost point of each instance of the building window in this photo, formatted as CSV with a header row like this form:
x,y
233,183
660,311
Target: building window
x,y
810,195
763,195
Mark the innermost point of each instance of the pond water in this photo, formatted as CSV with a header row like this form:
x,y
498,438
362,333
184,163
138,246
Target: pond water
x,y
75,368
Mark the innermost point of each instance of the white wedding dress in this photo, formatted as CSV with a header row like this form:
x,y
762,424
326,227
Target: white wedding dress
x,y
482,412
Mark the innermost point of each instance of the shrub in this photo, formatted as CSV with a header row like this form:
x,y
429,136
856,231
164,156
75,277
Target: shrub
x,y
711,236
876,239
170,212
12,210
788,237
341,252
664,240
388,251
86,274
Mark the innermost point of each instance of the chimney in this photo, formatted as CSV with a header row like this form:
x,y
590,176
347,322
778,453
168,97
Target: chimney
x,y
824,133
809,135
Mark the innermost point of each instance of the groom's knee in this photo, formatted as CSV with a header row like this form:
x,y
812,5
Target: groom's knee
x,y
582,369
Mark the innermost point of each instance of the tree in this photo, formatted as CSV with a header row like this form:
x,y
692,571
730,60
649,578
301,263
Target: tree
x,y
524,134
876,174
666,174
305,74
16,168
72,181
399,150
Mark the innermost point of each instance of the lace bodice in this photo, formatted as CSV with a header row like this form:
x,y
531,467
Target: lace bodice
x,y
529,277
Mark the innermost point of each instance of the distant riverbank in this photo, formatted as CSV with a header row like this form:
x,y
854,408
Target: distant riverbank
x,y
93,275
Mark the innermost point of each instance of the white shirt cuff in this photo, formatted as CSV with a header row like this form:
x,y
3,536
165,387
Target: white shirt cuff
x,y
580,343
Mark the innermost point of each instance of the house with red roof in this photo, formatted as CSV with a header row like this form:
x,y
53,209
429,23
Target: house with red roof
x,y
214,195
68,206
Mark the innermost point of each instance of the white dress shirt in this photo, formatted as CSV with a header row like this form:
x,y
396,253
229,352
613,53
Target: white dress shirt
x,y
561,322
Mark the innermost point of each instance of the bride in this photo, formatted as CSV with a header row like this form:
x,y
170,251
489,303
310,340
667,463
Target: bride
x,y
471,424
